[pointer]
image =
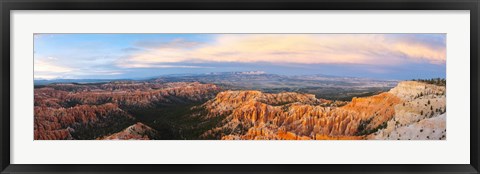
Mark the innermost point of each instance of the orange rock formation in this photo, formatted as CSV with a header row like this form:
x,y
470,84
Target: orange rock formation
x,y
256,115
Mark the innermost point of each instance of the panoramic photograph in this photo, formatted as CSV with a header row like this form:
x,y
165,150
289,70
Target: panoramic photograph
x,y
239,86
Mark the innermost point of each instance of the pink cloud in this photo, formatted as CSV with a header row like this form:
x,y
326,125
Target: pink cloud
x,y
293,48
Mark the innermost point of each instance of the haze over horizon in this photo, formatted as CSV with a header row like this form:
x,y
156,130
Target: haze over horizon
x,y
133,56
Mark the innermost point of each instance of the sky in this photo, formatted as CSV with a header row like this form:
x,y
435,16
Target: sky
x,y
134,56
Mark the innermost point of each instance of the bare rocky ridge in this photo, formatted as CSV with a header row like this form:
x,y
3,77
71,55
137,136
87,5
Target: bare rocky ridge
x,y
138,131
424,104
427,129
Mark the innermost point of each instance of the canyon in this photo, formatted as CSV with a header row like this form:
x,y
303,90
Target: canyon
x,y
185,109
76,111
412,109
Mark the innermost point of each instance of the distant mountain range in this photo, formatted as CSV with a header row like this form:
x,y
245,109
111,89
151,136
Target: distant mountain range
x,y
327,86
243,76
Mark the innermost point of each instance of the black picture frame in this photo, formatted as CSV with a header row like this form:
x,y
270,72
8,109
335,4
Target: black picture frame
x,y
9,5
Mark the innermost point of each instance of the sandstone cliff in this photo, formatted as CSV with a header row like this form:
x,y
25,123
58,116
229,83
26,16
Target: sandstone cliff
x,y
75,122
88,111
256,115
138,131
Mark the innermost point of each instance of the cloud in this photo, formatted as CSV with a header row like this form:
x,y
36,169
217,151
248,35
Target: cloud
x,y
175,43
163,66
49,66
375,49
421,51
131,49
45,77
97,72
47,69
